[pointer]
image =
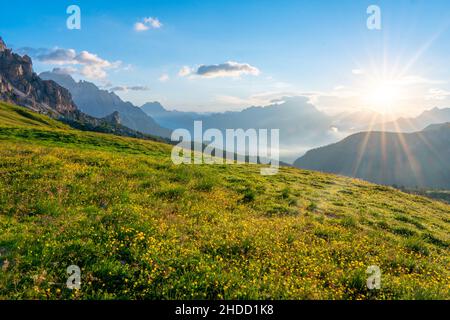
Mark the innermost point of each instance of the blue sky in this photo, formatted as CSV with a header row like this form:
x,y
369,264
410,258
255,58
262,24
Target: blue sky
x,y
321,49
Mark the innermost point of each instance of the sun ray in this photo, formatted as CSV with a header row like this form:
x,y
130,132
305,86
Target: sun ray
x,y
413,164
429,146
423,49
363,147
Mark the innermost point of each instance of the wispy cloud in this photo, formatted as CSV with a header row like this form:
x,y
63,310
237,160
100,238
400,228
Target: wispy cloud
x,y
164,78
87,64
65,70
414,80
58,56
358,71
147,24
437,94
227,69
131,88
257,99
185,71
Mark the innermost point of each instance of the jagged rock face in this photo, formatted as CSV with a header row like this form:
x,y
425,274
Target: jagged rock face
x,y
20,85
2,45
113,118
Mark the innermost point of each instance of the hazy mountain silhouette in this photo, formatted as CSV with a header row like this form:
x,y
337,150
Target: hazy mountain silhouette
x,y
355,121
419,159
418,123
299,121
170,119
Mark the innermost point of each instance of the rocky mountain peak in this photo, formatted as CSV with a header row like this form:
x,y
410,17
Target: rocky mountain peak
x,y
2,45
113,118
20,85
63,79
153,108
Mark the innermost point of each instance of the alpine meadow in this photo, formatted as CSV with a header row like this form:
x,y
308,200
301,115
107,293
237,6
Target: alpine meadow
x,y
142,227
251,159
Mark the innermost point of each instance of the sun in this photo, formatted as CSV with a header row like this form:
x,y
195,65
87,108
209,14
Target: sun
x,y
383,96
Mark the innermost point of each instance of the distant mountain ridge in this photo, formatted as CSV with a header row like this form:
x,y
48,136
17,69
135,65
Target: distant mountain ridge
x,y
101,103
302,126
419,159
298,120
426,118
170,119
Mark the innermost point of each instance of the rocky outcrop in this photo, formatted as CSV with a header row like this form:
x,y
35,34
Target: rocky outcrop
x,y
113,118
2,45
21,86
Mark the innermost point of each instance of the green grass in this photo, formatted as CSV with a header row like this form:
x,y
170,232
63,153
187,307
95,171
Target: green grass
x,y
141,228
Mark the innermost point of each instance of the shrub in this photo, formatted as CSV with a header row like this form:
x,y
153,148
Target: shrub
x,y
279,210
428,237
312,207
383,225
171,193
405,232
349,222
285,193
409,220
249,196
204,185
417,245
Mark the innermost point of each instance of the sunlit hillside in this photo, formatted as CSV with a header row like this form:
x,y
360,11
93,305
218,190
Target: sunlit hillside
x,y
140,227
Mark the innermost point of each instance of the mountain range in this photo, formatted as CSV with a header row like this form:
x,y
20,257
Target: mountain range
x,y
418,123
101,103
20,85
391,152
302,126
419,159
300,122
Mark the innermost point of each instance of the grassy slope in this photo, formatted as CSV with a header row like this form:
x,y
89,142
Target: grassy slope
x,y
140,227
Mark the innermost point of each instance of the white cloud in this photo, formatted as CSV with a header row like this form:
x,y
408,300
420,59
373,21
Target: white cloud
x,y
130,88
85,57
65,70
93,72
154,22
357,71
128,67
228,69
185,71
58,56
164,78
89,64
139,26
257,99
147,23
